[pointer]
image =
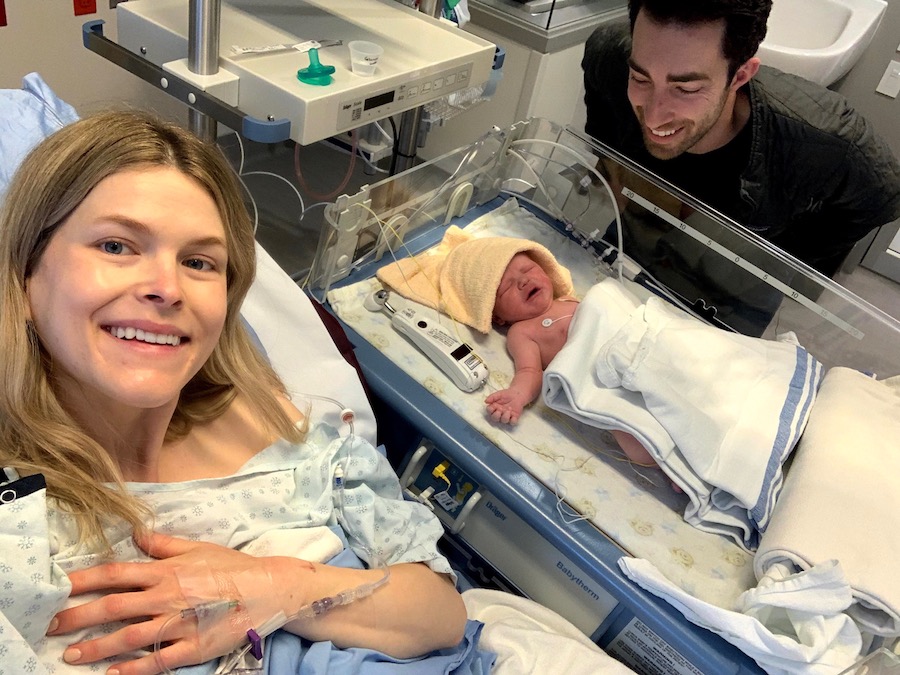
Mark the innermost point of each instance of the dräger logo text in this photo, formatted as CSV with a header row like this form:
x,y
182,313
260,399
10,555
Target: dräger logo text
x,y
493,509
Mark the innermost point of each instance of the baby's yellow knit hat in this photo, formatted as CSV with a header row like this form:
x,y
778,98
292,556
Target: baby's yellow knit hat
x,y
461,276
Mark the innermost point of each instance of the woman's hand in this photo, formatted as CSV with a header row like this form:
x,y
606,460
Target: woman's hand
x,y
148,594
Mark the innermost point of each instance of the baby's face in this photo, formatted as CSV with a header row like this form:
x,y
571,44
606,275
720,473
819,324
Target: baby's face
x,y
525,291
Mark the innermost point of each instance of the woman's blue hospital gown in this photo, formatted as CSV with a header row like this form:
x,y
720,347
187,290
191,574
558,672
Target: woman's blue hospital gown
x,y
281,502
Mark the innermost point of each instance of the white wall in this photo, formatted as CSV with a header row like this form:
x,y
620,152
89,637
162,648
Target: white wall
x,y
859,84
44,36
859,88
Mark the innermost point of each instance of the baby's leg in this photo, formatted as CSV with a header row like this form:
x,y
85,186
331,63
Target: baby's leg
x,y
636,452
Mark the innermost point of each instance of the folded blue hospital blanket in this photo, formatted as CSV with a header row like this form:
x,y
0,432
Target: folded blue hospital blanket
x,y
29,115
718,411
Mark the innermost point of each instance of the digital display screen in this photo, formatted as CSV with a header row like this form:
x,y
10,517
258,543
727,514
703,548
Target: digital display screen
x,y
381,99
461,352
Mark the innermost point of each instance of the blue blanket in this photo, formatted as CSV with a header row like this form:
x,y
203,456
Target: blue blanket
x,y
29,115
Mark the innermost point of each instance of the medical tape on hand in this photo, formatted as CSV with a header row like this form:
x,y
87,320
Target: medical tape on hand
x,y
262,602
221,618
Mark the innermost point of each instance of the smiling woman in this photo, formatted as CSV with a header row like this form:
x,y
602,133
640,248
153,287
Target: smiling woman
x,y
133,399
93,188
151,299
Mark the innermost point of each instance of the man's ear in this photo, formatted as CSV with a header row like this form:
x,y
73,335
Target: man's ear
x,y
745,73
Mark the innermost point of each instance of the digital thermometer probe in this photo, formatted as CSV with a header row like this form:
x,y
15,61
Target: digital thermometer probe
x,y
454,357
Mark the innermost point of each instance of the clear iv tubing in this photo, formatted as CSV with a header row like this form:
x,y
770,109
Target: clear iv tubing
x,y
312,610
216,608
325,604
347,414
211,610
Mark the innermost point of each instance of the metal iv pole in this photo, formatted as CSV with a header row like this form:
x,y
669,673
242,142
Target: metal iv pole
x,y
410,120
204,23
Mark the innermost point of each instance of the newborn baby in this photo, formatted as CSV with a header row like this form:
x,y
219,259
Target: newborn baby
x,y
538,327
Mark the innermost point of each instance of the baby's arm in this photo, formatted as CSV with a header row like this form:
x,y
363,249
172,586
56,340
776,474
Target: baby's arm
x,y
506,405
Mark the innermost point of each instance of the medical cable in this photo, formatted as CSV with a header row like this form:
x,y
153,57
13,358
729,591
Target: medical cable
x,y
239,172
468,157
347,414
581,184
550,160
210,611
362,155
539,184
312,206
368,162
578,464
281,178
252,202
566,512
546,323
312,610
593,170
330,234
387,137
325,604
387,242
323,196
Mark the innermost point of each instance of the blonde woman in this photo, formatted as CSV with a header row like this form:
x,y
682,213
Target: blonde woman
x,y
162,497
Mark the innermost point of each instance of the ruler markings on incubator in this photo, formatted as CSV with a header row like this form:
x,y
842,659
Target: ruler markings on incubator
x,y
744,264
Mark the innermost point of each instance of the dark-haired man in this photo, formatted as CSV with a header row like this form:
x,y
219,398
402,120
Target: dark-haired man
x,y
683,94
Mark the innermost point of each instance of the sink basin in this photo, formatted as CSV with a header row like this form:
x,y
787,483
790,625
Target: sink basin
x,y
820,40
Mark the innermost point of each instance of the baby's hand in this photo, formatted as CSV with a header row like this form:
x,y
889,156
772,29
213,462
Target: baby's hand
x,y
504,406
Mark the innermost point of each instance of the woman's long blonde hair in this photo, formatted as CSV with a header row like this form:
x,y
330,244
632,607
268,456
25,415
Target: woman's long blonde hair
x,y
37,435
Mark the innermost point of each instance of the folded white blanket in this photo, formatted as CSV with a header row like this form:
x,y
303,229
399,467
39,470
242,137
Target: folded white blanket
x,y
791,624
530,638
719,412
841,498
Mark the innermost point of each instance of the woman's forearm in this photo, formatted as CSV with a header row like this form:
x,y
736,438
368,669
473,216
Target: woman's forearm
x,y
415,612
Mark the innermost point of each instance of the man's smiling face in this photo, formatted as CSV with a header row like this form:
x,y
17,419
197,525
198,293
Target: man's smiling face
x,y
678,86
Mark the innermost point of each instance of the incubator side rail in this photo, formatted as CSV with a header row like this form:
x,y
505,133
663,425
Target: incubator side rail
x,y
695,256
